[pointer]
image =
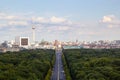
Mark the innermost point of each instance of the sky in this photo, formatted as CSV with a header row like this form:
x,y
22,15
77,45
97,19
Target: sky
x,y
64,20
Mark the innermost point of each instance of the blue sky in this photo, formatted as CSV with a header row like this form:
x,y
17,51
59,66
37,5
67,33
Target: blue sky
x,y
64,20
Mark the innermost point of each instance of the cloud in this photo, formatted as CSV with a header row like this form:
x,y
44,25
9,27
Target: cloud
x,y
88,33
51,21
2,25
18,23
21,19
57,19
39,20
111,21
10,20
4,16
57,26
63,28
107,18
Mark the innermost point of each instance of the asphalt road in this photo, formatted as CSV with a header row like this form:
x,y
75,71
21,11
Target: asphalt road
x,y
58,71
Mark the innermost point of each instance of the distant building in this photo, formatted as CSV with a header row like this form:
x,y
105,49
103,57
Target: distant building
x,y
4,44
11,49
56,43
2,50
22,42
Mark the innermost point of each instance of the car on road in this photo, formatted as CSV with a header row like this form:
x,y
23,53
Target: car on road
x,y
62,71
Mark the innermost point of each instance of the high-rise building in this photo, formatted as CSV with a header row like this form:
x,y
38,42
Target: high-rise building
x,y
22,41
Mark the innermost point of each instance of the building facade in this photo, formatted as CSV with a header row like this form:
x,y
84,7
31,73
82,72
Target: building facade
x,y
22,42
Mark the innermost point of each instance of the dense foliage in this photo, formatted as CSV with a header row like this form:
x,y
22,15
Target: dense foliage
x,y
90,64
66,69
25,65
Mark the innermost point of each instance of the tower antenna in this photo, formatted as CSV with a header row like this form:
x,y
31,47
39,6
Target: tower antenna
x,y
33,35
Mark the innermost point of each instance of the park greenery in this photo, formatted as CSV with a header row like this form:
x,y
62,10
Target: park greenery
x,y
26,65
66,69
93,64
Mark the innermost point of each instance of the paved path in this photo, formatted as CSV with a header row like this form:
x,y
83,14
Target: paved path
x,y
58,71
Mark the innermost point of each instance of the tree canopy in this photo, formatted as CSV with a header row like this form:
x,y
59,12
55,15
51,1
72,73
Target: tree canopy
x,y
25,65
93,64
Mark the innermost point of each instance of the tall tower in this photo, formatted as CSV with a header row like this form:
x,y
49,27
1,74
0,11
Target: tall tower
x,y
33,36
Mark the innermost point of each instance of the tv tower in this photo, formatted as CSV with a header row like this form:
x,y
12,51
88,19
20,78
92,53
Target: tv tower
x,y
33,36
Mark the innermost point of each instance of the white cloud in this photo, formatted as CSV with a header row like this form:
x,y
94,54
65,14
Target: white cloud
x,y
51,21
18,23
7,17
107,18
57,19
111,21
11,17
1,14
39,20
57,26
58,23
3,25
63,28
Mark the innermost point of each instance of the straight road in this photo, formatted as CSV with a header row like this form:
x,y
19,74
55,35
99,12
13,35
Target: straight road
x,y
58,71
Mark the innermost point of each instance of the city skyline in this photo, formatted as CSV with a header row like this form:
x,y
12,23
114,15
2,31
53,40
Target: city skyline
x,y
64,20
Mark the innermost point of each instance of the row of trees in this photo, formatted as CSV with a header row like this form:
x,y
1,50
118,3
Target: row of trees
x,y
26,65
66,69
91,64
